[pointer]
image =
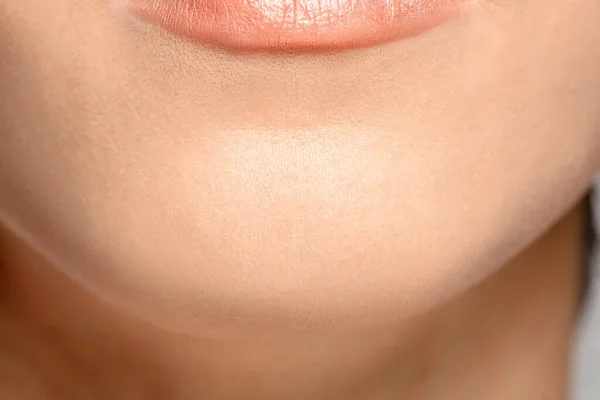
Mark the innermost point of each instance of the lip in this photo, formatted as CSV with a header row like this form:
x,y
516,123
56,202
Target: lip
x,y
295,25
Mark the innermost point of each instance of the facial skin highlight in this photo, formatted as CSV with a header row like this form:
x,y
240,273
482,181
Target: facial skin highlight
x,y
204,190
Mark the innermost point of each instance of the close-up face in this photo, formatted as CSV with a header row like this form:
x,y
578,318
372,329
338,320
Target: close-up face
x,y
186,180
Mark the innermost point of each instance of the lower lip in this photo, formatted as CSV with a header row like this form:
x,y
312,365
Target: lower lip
x,y
295,25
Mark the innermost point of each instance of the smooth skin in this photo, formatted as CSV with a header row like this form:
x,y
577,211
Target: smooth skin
x,y
180,222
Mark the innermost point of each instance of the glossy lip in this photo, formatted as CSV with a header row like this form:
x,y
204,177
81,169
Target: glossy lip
x,y
295,25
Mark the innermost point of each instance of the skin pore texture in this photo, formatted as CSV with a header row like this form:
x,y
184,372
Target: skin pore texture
x,y
184,222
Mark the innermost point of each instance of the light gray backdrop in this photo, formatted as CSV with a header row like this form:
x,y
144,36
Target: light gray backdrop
x,y
586,378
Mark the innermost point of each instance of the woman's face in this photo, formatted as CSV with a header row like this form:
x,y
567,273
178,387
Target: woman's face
x,y
348,188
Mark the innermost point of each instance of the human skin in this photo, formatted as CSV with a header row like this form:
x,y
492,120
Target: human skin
x,y
209,193
507,338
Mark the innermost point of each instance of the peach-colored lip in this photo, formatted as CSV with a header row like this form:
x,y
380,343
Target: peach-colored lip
x,y
295,25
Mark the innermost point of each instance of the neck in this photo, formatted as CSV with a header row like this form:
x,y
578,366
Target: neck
x,y
507,338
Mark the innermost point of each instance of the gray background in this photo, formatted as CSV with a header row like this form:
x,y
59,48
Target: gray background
x,y
586,378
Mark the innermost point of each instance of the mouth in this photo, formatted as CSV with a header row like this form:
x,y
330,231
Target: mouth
x,y
296,25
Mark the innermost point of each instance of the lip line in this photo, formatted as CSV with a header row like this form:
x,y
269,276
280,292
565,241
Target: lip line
x,y
266,25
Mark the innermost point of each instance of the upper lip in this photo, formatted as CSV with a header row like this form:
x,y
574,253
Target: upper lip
x,y
295,24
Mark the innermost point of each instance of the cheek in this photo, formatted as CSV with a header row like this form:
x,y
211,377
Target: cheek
x,y
321,228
